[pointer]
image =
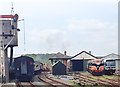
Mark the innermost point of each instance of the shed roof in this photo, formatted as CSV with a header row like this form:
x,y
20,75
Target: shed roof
x,y
83,55
57,63
60,56
59,69
111,56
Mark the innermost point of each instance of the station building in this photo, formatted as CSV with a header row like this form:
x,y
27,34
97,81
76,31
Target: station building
x,y
59,63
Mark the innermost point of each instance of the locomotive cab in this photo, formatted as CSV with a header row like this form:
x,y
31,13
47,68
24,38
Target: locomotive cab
x,y
110,66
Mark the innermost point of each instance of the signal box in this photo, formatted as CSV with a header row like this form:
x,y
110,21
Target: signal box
x,y
8,30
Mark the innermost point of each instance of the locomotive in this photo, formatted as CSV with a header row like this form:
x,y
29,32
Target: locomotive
x,y
96,67
24,68
110,66
37,67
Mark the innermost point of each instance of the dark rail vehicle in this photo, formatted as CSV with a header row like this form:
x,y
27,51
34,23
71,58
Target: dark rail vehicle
x,y
95,67
24,68
11,72
37,67
110,66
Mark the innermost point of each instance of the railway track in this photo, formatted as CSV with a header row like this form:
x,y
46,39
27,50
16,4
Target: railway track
x,y
97,80
25,84
85,80
52,82
112,80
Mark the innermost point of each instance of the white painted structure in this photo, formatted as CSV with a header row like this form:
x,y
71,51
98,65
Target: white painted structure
x,y
8,38
84,55
114,57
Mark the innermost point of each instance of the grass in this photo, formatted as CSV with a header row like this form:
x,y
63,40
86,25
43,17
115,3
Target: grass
x,y
102,77
79,85
111,77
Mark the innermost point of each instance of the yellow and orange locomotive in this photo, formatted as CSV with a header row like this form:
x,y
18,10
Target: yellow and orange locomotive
x,y
96,67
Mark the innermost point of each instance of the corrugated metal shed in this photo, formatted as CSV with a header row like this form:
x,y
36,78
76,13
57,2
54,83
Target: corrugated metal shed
x,y
59,69
79,61
113,57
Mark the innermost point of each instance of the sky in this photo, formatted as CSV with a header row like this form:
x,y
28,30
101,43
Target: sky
x,y
53,26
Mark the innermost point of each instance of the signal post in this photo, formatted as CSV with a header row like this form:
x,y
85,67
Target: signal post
x,y
8,38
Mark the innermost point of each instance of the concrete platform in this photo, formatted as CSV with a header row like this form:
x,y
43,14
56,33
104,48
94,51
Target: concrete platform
x,y
8,85
0,84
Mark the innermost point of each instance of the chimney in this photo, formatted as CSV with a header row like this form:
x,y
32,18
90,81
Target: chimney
x,y
89,52
65,53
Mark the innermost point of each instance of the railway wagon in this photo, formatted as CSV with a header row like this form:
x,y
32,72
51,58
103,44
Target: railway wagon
x,y
24,68
37,67
96,67
110,66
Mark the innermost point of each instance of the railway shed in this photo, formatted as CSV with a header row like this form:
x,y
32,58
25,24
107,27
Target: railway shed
x,y
79,61
59,69
115,57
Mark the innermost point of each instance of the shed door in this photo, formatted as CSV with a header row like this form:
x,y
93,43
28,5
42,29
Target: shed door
x,y
77,65
24,67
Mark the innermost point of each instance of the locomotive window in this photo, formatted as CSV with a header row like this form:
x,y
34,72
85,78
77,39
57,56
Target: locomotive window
x,y
110,62
93,64
97,65
101,64
36,65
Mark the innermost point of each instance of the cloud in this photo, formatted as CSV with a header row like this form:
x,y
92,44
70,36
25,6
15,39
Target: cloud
x,y
93,27
65,1
76,35
47,40
87,24
93,34
74,25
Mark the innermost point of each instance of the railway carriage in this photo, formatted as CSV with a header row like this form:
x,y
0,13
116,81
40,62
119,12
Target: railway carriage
x,y
95,67
24,68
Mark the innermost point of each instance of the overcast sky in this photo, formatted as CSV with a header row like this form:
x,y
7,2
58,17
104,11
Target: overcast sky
x,y
53,26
